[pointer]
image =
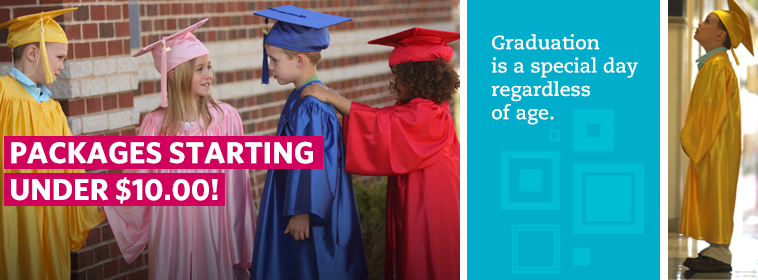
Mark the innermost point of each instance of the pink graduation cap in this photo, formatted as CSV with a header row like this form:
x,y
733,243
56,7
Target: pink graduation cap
x,y
173,50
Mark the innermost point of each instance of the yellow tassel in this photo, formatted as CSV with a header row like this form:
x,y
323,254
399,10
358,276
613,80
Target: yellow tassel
x,y
735,58
49,78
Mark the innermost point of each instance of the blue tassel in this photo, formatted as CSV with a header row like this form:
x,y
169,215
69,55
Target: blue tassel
x,y
264,71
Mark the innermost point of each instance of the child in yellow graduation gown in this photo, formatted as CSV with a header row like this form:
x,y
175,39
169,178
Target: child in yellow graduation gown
x,y
35,241
711,138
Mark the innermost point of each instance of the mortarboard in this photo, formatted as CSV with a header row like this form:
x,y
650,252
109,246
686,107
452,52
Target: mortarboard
x,y
173,50
296,29
419,44
738,26
40,27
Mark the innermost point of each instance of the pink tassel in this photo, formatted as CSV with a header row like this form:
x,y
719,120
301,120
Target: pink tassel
x,y
164,90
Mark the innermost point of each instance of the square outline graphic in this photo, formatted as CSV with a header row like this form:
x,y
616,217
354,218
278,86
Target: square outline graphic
x,y
556,229
506,204
637,226
582,256
553,132
527,184
582,118
584,198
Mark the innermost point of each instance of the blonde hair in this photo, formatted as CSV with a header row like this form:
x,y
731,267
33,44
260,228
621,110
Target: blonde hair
x,y
179,95
313,57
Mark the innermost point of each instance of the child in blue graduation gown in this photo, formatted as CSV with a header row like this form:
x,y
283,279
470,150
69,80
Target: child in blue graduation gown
x,y
308,225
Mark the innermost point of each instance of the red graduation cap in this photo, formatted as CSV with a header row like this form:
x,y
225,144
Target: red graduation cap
x,y
419,44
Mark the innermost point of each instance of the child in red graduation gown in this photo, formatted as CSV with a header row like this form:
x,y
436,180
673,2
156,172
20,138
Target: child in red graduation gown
x,y
415,144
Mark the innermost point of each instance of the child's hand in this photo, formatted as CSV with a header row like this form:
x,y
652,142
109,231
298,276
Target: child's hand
x,y
318,91
299,226
100,209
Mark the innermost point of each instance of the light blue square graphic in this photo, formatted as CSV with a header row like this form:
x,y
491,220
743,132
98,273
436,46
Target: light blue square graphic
x,y
608,198
581,256
530,180
554,135
594,130
544,197
536,249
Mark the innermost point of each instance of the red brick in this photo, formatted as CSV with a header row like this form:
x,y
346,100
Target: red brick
x,y
110,102
73,32
221,7
114,12
115,251
82,50
73,107
171,24
89,31
94,105
125,11
147,25
148,87
188,9
95,273
107,30
129,132
123,266
199,8
5,54
102,252
107,233
18,2
176,9
126,100
127,49
5,15
97,12
165,10
17,12
115,47
110,268
99,49
152,10
122,29
138,275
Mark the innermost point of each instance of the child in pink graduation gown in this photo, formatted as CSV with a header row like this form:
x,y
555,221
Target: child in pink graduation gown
x,y
190,242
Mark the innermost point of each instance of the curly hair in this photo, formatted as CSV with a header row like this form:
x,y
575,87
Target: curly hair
x,y
433,80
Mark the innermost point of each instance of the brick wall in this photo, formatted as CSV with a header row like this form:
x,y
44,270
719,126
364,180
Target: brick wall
x,y
104,91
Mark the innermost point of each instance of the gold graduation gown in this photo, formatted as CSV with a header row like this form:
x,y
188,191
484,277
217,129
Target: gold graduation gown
x,y
35,241
711,138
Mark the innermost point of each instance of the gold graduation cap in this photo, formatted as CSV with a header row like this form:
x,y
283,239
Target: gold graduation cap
x,y
40,27
737,25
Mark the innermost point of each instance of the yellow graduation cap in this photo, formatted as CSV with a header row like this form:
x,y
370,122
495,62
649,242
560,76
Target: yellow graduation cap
x,y
737,25
40,27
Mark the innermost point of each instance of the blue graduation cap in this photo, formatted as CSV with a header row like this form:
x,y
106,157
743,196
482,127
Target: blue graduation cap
x,y
296,29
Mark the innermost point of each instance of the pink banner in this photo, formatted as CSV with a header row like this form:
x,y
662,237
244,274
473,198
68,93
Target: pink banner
x,y
163,152
114,189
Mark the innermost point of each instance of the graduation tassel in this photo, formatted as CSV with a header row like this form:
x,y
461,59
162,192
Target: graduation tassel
x,y
735,57
49,78
264,70
164,90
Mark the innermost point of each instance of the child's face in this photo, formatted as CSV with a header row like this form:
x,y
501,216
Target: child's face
x,y
397,90
202,76
281,66
56,54
708,29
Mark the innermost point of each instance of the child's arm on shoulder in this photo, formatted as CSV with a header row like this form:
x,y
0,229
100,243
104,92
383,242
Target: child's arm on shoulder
x,y
299,226
327,95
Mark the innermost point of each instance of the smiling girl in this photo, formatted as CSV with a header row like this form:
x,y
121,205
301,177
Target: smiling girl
x,y
198,242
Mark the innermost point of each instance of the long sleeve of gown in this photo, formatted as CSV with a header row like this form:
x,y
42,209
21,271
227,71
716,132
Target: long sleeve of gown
x,y
131,224
239,201
396,139
706,112
313,190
